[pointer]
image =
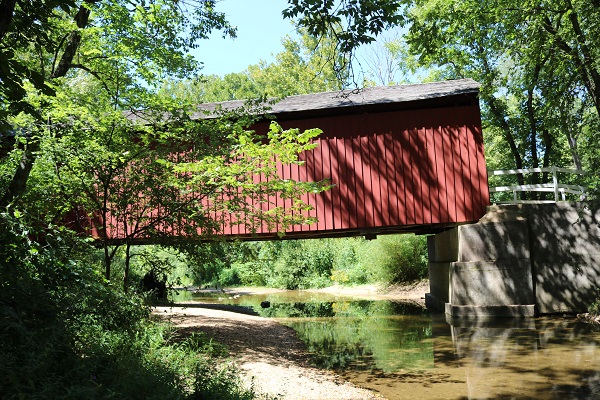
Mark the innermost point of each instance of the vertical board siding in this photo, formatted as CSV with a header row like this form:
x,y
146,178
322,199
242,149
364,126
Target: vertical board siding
x,y
459,189
402,168
383,212
468,173
392,187
388,169
408,157
440,170
335,195
399,174
449,173
367,179
433,188
422,203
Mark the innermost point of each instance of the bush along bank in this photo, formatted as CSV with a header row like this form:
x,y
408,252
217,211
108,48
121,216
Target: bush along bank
x,y
309,263
67,333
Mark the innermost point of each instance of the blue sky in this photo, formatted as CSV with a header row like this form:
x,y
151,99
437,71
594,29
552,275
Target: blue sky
x,y
260,30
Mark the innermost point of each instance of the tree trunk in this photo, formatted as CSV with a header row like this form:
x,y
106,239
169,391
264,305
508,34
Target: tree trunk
x,y
535,163
107,261
7,10
547,138
499,116
591,75
574,151
127,267
107,255
18,183
502,124
579,53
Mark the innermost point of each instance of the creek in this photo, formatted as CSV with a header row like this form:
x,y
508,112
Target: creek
x,y
403,352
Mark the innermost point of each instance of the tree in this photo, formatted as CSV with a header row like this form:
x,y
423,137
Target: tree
x,y
120,43
304,66
132,43
118,52
389,61
166,179
350,23
529,76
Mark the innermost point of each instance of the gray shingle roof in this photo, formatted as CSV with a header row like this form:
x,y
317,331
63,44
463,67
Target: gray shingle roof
x,y
349,98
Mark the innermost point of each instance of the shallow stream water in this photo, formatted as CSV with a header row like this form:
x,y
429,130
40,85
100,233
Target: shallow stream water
x,y
404,352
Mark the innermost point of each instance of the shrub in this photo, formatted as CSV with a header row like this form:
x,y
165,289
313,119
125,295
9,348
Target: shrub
x,y
395,258
302,264
347,270
66,333
313,263
229,277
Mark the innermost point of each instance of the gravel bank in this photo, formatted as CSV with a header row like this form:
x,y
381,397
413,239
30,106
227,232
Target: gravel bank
x,y
270,355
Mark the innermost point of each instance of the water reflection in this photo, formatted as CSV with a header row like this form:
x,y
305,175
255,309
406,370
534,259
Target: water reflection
x,y
368,336
401,351
545,358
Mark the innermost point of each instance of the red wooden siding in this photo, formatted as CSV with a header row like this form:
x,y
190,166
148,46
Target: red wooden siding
x,y
398,171
412,170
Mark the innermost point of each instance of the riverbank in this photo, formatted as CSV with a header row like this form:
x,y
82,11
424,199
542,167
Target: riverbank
x,y
270,356
409,291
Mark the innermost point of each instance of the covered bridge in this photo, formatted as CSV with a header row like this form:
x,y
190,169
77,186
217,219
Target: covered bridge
x,y
406,158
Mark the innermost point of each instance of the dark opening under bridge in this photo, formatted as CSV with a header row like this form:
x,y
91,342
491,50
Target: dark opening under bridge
x,y
403,158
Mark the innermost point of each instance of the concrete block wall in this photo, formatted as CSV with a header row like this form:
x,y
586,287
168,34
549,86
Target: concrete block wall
x,y
565,255
490,283
515,258
488,267
442,252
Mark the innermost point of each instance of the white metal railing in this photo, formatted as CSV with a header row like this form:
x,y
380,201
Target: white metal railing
x,y
555,186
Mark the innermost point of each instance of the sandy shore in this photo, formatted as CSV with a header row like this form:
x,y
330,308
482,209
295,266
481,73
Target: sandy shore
x,y
270,355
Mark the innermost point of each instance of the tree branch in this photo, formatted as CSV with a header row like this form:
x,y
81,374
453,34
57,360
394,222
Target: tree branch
x,y
81,19
592,74
19,180
93,73
589,75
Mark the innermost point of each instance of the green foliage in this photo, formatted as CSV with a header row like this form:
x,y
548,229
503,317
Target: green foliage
x,y
352,23
66,333
301,265
347,268
204,261
163,261
314,263
537,63
79,96
198,342
304,66
119,150
231,277
396,258
45,40
200,174
389,61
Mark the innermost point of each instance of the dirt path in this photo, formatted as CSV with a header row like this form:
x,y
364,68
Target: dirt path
x,y
270,355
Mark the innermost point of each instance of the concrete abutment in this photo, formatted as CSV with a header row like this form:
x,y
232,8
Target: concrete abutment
x,y
518,261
